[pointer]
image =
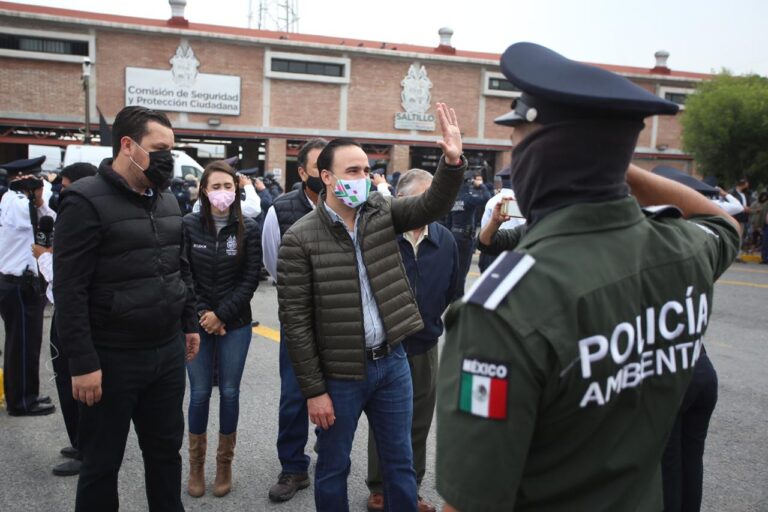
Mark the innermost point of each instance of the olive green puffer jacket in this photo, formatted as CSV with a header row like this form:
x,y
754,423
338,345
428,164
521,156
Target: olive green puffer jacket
x,y
318,286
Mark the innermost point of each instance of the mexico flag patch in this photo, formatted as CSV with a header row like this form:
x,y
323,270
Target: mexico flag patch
x,y
483,389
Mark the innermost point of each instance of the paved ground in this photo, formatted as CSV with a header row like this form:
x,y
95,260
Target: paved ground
x,y
736,462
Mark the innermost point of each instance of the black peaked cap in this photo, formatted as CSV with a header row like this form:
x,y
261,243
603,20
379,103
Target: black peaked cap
x,y
556,88
26,166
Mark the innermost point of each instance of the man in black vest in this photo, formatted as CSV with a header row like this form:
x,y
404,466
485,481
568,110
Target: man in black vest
x,y
124,296
293,422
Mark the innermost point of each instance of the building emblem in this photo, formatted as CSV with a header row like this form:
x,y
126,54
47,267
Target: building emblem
x,y
416,85
415,99
184,66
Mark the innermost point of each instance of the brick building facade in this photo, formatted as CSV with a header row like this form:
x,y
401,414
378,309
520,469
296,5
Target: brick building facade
x,y
267,92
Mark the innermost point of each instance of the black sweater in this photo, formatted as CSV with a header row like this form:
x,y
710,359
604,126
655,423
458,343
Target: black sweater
x,y
224,283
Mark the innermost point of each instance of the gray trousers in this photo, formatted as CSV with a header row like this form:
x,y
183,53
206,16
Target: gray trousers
x,y
424,377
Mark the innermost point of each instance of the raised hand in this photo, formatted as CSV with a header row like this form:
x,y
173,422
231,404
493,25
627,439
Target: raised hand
x,y
449,126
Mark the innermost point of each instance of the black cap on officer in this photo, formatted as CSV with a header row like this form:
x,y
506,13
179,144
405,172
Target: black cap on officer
x,y
251,173
26,166
557,89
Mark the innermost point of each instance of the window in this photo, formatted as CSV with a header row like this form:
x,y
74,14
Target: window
x,y
307,68
194,171
313,68
676,97
44,45
495,84
501,84
676,94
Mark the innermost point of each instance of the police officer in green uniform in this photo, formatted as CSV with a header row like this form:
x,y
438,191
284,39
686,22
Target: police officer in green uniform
x,y
564,365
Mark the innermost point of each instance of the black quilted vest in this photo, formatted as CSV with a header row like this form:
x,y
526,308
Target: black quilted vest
x,y
291,207
137,294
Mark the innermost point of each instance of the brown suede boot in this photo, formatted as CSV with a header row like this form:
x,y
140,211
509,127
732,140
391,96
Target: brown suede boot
x,y
197,446
226,452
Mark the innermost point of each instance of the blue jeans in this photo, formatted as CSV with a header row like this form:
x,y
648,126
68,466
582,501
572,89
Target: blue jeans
x,y
233,349
386,396
293,421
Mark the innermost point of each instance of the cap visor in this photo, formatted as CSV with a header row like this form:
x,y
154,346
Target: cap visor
x,y
511,118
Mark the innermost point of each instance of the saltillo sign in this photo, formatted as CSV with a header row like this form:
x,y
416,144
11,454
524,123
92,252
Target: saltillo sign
x,y
182,88
415,100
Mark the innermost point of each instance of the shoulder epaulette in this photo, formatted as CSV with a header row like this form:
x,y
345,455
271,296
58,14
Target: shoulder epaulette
x,y
499,279
663,210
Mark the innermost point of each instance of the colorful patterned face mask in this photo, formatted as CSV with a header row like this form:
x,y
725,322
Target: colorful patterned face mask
x,y
352,193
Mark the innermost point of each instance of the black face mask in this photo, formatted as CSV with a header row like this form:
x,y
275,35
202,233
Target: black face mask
x,y
315,184
570,163
160,168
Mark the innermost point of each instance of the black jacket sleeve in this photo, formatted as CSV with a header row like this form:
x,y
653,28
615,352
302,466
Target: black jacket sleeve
x,y
200,303
78,235
240,297
189,315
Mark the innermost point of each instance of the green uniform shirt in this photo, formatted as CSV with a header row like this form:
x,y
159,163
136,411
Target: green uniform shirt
x,y
559,394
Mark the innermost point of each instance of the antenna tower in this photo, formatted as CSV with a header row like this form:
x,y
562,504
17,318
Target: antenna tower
x,y
276,15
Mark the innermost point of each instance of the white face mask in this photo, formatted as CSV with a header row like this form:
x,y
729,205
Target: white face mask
x,y
352,193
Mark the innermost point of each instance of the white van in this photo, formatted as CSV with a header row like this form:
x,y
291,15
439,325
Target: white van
x,y
183,164
89,154
52,156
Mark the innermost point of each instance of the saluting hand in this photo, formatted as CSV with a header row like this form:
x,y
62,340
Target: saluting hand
x,y
449,126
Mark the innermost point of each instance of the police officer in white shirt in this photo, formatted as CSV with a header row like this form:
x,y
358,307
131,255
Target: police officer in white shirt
x,y
22,299
514,221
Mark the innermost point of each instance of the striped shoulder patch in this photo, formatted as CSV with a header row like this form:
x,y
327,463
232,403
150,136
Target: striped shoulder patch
x,y
499,279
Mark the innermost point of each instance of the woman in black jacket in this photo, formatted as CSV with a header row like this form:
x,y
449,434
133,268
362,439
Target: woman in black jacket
x,y
224,251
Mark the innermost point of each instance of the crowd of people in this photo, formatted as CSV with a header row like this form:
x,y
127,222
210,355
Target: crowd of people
x,y
564,366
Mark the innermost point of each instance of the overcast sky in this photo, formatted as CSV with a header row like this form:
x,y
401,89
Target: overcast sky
x,y
702,35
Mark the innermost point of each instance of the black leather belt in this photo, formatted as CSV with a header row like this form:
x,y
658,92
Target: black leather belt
x,y
25,279
379,352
